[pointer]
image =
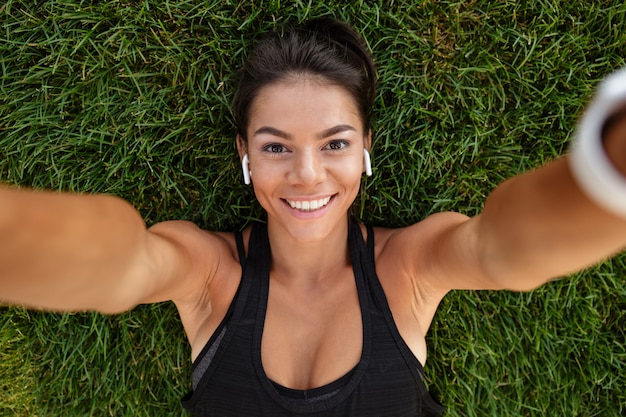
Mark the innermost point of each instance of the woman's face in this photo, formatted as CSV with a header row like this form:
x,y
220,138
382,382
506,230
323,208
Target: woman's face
x,y
305,145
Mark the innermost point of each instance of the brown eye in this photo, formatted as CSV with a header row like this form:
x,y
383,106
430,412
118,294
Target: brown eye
x,y
274,148
337,145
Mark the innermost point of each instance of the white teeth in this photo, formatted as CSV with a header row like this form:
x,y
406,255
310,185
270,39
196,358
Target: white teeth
x,y
309,205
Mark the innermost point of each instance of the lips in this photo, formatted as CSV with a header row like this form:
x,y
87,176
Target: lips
x,y
308,205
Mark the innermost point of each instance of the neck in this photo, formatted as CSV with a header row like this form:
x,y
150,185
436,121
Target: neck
x,y
308,262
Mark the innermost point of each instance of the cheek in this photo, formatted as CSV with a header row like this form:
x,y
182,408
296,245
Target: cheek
x,y
266,179
264,173
347,168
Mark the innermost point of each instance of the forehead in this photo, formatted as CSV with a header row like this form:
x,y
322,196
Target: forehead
x,y
303,104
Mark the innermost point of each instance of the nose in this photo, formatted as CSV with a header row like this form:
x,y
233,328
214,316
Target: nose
x,y
308,168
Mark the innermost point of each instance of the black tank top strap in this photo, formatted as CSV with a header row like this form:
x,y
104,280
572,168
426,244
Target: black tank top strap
x,y
355,240
370,241
241,250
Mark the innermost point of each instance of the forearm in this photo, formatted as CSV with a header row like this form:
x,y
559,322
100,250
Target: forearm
x,y
65,251
541,225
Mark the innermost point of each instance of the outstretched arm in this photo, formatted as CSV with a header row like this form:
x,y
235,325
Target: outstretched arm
x,y
535,227
69,252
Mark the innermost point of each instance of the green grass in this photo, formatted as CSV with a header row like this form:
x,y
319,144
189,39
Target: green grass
x,y
132,98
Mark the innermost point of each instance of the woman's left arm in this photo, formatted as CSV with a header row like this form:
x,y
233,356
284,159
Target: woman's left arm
x,y
535,227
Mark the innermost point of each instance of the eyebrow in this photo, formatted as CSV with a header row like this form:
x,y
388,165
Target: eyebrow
x,y
267,130
336,129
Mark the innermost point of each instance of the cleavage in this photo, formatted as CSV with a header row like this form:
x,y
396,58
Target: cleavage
x,y
311,340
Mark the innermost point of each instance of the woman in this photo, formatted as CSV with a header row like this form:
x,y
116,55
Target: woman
x,y
313,313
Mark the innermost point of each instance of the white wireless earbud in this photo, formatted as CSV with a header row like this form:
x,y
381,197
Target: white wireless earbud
x,y
246,171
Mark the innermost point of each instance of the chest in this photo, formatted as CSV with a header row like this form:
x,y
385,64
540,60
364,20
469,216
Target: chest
x,y
340,348
312,337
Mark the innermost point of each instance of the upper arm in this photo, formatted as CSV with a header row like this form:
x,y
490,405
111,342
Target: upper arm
x,y
534,228
74,252
462,255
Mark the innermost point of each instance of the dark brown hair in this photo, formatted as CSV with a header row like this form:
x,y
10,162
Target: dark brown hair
x,y
322,47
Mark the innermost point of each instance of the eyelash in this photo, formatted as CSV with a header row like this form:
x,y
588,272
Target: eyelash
x,y
270,147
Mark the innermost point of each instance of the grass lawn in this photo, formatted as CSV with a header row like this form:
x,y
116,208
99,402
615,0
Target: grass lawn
x,y
132,98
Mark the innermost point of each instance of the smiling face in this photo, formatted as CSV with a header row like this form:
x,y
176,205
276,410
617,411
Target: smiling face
x,y
305,146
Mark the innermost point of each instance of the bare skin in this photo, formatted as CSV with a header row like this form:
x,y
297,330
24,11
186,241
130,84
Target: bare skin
x,y
534,228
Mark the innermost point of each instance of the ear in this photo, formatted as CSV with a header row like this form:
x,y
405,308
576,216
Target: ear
x,y
242,146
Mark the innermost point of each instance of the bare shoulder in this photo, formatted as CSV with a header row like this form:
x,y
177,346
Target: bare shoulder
x,y
413,251
195,258
423,234
189,235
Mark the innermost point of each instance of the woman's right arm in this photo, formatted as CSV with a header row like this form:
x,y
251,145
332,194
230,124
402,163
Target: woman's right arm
x,y
70,252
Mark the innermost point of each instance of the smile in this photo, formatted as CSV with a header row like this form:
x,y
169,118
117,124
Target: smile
x,y
308,205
